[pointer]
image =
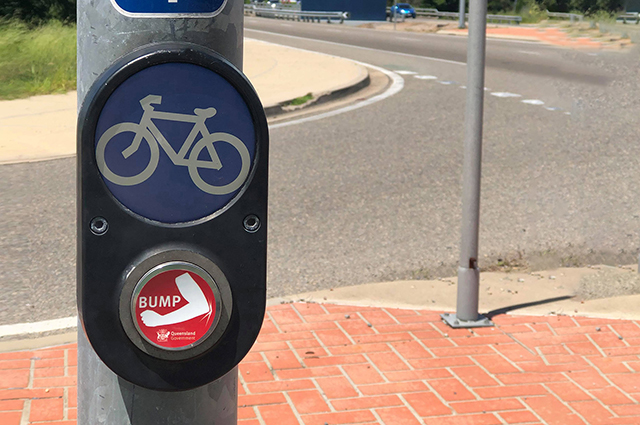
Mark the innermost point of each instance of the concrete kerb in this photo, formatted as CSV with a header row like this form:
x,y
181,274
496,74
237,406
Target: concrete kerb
x,y
339,78
563,291
557,292
317,99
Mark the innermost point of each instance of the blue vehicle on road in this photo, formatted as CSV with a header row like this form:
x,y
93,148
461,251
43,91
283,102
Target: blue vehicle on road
x,y
403,9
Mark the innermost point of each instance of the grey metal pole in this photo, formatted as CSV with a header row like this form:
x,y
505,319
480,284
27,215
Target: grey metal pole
x,y
104,35
461,12
395,13
468,272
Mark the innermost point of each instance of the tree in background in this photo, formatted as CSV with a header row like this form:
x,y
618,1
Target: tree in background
x,y
592,6
38,11
497,6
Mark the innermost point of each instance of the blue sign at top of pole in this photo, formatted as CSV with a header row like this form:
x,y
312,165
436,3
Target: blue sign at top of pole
x,y
169,8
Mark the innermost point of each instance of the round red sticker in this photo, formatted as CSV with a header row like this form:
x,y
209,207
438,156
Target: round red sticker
x,y
175,305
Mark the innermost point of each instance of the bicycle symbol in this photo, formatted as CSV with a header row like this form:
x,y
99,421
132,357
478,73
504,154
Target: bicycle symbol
x,y
148,131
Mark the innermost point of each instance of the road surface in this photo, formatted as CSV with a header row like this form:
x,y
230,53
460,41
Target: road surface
x,y
374,194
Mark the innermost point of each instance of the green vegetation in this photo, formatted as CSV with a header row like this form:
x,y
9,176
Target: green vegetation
x,y
37,12
36,60
532,13
603,16
301,100
530,10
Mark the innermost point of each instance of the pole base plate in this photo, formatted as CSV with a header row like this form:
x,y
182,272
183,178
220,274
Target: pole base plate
x,y
451,320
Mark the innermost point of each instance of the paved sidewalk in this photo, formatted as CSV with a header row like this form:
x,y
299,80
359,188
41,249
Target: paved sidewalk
x,y
553,35
558,34
44,127
319,364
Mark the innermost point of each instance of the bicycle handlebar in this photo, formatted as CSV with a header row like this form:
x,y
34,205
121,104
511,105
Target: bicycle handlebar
x,y
152,99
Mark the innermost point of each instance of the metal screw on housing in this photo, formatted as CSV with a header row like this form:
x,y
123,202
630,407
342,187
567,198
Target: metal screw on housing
x,y
99,226
251,223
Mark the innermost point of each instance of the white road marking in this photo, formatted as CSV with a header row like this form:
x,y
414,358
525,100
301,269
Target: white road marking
x,y
505,94
533,102
357,47
552,108
463,87
406,72
567,113
397,83
529,52
447,83
37,327
425,77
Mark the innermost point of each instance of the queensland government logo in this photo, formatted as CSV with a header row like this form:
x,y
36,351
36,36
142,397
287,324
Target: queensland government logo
x,y
163,335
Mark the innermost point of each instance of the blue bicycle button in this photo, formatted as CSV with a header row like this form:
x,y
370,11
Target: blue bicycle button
x,y
175,142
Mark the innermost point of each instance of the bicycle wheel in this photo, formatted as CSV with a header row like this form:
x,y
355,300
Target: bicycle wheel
x,y
211,140
113,132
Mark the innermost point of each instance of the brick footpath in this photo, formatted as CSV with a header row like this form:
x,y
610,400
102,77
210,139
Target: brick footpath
x,y
554,36
324,364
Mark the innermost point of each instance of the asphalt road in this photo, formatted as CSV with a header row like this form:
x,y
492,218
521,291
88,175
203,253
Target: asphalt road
x,y
374,194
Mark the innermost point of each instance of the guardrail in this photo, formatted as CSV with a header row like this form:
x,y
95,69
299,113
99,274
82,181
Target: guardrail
x,y
420,11
504,18
288,6
455,15
296,15
571,16
631,16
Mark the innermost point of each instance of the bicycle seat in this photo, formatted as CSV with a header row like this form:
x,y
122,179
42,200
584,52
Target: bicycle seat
x,y
208,113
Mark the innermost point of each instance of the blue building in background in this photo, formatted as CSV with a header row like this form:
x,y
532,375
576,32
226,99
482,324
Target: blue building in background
x,y
359,10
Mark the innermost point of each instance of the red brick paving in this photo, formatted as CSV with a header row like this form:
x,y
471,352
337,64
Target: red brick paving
x,y
323,364
554,36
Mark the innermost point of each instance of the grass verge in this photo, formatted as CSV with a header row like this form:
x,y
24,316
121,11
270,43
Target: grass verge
x,y
301,100
40,60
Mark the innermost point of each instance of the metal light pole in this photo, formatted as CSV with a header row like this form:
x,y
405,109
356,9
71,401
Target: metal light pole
x,y
104,35
394,13
468,272
461,11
